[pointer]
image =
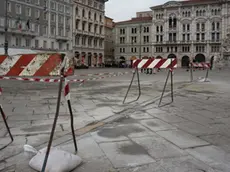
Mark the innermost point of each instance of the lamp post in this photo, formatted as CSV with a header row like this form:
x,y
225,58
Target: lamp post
x,y
6,28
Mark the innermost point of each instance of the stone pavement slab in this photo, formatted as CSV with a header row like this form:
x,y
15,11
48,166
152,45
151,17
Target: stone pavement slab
x,y
182,139
126,154
158,147
157,125
213,156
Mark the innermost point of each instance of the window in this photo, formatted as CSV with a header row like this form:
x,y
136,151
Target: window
x,y
157,38
217,26
122,40
203,27
45,30
45,44
28,11
18,9
161,38
9,7
52,17
90,42
213,36
45,16
83,26
198,27
60,7
197,36
60,19
183,37
67,10
83,13
213,26
36,28
37,14
100,18
28,42
77,40
60,46
161,28
188,27
188,37
157,29
134,39
67,46
95,42
89,14
203,36
122,31
36,43
146,39
95,16
60,31
184,27
134,30
52,45
174,37
76,11
217,36
146,29
53,30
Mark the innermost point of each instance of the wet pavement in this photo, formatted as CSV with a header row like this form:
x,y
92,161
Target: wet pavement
x,y
189,135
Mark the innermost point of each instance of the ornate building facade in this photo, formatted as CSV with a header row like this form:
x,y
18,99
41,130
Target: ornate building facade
x,y
109,39
190,30
43,25
88,30
133,37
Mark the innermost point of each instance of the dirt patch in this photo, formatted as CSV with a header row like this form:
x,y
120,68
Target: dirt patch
x,y
133,149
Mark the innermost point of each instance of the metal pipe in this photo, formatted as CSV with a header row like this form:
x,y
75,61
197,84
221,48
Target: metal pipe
x,y
140,42
6,28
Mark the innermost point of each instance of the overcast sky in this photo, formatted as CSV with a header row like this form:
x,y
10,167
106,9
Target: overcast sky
x,y
125,9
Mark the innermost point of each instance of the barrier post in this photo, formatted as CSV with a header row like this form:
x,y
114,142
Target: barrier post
x,y
206,76
139,85
191,72
67,96
170,72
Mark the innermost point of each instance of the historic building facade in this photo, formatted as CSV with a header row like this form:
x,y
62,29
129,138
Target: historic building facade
x,y
133,37
109,39
192,30
44,25
88,30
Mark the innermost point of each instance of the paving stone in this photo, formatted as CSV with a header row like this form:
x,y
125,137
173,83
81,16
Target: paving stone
x,y
196,118
87,148
185,164
140,115
126,154
9,151
182,139
219,141
157,125
34,129
18,140
195,128
170,118
153,167
101,113
213,156
99,164
155,111
158,147
27,117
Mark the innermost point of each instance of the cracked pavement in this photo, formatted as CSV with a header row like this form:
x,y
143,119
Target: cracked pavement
x,y
189,135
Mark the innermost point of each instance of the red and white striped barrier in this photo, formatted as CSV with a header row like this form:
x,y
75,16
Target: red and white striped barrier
x,y
201,65
66,90
51,80
35,65
155,63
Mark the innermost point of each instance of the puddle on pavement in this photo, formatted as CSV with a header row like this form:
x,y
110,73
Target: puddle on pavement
x,y
119,131
126,120
133,149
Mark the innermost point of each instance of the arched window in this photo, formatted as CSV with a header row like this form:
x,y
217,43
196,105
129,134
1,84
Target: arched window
x,y
174,22
161,28
183,14
204,12
212,11
157,16
213,26
157,28
200,13
189,14
197,13
215,11
170,22
83,13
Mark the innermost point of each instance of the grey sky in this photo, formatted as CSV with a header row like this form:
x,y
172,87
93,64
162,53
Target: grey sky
x,y
125,9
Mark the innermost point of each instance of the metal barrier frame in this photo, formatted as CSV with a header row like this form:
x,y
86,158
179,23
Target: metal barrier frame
x,y
191,73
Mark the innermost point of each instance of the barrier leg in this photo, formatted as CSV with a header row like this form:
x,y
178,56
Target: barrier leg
x,y
164,88
6,124
139,87
54,124
206,77
191,73
172,85
72,125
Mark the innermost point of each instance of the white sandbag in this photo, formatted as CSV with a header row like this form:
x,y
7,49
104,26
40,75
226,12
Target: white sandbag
x,y
58,161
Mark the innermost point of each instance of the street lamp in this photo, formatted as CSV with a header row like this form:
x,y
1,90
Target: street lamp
x,y
6,28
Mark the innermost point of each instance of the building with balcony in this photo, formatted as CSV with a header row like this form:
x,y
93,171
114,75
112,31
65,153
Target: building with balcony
x,y
190,30
133,37
109,40
89,32
42,25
